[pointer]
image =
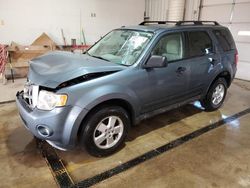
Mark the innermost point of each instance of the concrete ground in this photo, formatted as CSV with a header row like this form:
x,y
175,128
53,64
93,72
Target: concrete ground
x,y
8,90
218,158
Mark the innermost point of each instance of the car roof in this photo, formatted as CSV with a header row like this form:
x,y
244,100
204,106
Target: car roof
x,y
158,28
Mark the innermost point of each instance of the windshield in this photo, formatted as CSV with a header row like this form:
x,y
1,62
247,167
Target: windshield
x,y
121,46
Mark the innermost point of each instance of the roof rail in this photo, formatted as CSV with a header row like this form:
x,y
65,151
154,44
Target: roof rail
x,y
178,23
157,22
197,22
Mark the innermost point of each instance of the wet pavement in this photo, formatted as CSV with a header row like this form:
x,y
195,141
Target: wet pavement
x,y
218,158
20,162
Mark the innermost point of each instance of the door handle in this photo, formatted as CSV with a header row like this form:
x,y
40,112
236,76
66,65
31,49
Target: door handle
x,y
181,69
212,60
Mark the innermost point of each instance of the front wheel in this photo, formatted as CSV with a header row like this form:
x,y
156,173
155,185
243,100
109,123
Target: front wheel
x,y
216,95
105,131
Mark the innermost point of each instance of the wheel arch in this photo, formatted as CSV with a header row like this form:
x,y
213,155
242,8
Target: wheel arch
x,y
115,102
224,74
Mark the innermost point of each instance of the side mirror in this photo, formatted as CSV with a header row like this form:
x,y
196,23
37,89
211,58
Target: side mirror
x,y
156,61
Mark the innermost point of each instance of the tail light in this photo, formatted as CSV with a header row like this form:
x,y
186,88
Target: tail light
x,y
236,58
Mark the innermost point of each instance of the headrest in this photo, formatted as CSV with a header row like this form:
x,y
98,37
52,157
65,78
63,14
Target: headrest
x,y
173,46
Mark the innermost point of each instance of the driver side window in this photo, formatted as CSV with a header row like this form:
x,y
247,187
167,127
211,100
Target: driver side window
x,y
170,46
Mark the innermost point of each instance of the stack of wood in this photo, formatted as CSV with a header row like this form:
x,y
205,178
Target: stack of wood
x,y
21,55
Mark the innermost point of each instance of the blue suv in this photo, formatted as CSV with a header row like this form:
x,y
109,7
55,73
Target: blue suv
x,y
130,74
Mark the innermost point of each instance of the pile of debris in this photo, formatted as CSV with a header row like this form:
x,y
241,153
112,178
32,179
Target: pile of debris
x,y
16,63
19,56
3,62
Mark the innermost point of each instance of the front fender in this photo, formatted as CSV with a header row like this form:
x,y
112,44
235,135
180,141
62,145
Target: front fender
x,y
88,98
108,92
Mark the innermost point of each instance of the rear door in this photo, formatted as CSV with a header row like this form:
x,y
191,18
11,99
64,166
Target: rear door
x,y
202,58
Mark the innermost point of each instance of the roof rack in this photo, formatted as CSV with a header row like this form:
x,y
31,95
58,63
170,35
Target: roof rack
x,y
178,23
157,22
197,22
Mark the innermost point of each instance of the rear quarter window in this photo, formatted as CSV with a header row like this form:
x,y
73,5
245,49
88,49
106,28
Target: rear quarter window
x,y
225,39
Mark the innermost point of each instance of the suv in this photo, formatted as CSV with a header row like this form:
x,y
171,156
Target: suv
x,y
130,74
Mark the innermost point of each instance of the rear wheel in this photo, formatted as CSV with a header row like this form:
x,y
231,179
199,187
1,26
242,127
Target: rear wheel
x,y
105,130
216,95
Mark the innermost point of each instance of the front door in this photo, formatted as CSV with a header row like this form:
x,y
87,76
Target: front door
x,y
167,85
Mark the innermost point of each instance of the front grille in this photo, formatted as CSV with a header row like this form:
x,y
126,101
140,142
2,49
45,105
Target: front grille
x,y
30,94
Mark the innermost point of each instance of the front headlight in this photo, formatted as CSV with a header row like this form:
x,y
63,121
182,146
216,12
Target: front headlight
x,y
49,100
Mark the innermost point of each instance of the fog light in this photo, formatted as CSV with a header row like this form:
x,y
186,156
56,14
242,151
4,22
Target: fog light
x,y
44,131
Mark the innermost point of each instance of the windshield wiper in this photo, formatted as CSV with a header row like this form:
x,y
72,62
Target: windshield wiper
x,y
98,57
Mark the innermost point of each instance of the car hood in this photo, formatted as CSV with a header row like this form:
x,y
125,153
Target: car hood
x,y
54,68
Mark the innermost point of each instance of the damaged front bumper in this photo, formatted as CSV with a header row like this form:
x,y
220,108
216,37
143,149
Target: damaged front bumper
x,y
58,127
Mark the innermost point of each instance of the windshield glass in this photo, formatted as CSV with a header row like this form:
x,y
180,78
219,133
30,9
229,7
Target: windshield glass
x,y
121,46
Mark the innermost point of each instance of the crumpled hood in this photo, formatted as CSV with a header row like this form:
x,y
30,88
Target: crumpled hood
x,y
54,68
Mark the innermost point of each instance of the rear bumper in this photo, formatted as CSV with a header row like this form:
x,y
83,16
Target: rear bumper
x,y
61,124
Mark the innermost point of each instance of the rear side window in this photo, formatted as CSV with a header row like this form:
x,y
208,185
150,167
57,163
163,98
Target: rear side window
x,y
225,39
199,43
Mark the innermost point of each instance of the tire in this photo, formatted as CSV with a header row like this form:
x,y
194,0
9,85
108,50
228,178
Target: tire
x,y
210,103
101,127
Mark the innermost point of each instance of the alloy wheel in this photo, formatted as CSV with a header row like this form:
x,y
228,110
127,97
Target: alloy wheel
x,y
108,132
